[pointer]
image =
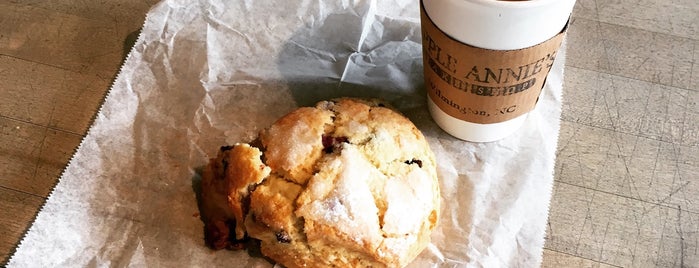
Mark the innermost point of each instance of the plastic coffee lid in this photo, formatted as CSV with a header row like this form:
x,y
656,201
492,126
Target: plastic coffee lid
x,y
500,25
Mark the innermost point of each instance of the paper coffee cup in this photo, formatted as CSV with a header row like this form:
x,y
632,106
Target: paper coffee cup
x,y
486,61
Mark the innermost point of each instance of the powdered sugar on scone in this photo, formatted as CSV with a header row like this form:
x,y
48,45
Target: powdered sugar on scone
x,y
293,143
341,198
409,201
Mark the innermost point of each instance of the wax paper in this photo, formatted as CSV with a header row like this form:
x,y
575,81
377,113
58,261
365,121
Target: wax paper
x,y
208,73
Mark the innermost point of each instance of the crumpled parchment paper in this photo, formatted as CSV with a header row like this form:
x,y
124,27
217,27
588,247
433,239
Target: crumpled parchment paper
x,y
208,73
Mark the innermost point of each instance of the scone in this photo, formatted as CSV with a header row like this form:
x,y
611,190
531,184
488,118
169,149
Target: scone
x,y
348,183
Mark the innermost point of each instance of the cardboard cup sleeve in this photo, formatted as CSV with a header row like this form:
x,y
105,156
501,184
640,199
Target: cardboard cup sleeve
x,y
486,61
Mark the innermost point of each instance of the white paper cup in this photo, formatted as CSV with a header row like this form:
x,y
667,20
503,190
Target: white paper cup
x,y
494,25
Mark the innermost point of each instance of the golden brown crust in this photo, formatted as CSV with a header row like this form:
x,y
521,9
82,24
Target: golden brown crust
x,y
348,183
225,183
245,168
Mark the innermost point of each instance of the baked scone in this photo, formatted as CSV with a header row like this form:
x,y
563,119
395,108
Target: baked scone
x,y
347,183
